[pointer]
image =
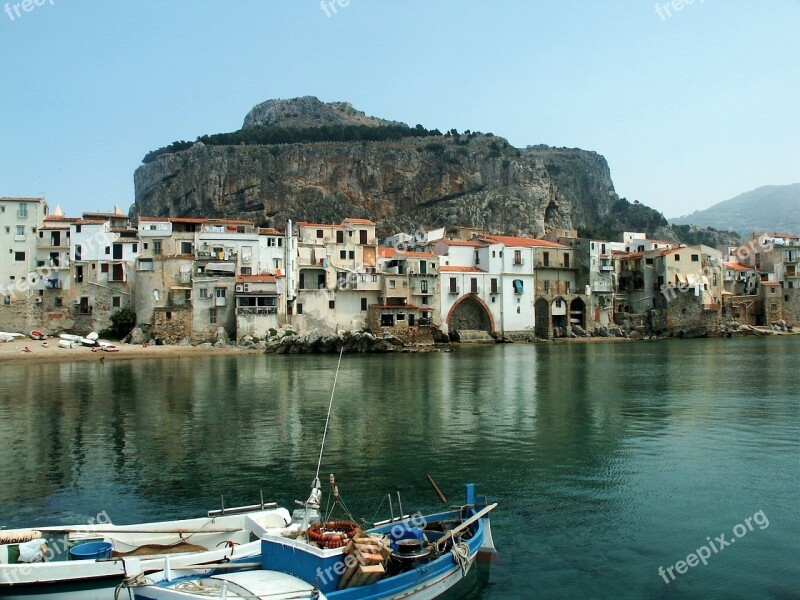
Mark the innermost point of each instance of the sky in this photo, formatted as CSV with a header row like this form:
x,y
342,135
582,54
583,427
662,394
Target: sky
x,y
691,103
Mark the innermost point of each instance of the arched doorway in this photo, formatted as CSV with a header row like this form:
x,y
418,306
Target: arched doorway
x,y
577,313
470,314
558,310
542,319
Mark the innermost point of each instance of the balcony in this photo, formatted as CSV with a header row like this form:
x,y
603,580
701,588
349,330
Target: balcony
x,y
606,267
19,238
454,291
257,310
519,262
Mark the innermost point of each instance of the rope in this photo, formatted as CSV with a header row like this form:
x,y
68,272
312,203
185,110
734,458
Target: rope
x,y
328,418
460,552
130,582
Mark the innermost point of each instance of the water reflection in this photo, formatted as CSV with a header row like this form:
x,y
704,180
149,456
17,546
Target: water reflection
x,y
591,449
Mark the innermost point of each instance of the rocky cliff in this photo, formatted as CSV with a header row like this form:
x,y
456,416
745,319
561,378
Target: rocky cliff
x,y
477,180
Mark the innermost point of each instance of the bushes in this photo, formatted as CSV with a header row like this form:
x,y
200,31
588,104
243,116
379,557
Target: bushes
x,y
122,321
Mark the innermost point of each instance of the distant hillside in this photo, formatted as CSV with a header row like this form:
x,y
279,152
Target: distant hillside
x,y
768,208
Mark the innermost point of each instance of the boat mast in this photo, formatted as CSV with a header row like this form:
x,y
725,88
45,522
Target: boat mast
x,y
316,492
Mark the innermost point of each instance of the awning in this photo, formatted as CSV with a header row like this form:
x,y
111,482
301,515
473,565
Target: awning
x,y
222,267
180,287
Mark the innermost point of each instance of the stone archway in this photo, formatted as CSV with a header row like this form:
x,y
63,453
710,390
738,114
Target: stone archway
x,y
577,313
542,319
470,314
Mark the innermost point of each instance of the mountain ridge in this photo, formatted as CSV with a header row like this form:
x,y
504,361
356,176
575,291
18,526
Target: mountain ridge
x,y
768,208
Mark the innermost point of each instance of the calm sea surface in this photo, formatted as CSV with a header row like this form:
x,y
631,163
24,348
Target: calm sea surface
x,y
608,460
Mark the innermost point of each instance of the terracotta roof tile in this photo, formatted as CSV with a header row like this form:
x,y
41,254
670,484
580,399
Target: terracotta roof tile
x,y
458,269
509,240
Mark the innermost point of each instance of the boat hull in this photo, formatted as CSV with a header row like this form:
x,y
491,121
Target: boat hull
x,y
307,564
96,579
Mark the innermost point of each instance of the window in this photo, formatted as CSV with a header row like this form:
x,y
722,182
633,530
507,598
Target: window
x,y
363,304
423,286
517,257
116,302
186,248
342,253
648,261
144,246
677,258
2,209
270,242
299,308
423,267
340,237
401,317
517,284
222,296
473,285
392,284
453,285
204,293
362,236
156,246
145,264
78,250
6,300
351,255
280,242
104,268
331,304
212,315
246,271
19,256
319,234
108,249
22,212
59,302
20,230
321,284
695,258
493,285
545,259
135,248
77,228
566,261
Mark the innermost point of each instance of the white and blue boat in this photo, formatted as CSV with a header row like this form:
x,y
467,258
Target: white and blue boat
x,y
418,556
88,562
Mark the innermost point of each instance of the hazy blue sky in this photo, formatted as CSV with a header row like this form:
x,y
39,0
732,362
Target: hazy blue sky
x,y
690,107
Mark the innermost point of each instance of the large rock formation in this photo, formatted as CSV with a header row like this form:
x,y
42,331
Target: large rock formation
x,y
474,180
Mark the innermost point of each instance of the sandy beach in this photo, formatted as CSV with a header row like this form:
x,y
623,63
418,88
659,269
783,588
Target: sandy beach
x,y
13,352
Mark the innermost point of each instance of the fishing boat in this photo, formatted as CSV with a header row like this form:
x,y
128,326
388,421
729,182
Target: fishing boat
x,y
410,557
38,335
417,556
70,337
68,344
87,562
107,347
87,342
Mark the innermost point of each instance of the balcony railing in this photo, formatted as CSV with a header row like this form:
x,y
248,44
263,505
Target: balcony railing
x,y
257,310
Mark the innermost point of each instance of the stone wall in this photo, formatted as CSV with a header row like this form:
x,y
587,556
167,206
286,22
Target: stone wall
x,y
172,325
772,301
791,307
687,317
